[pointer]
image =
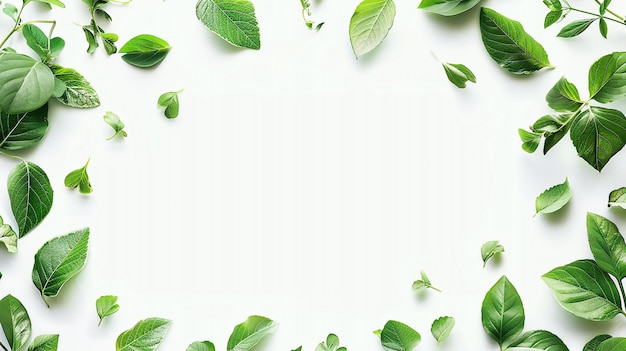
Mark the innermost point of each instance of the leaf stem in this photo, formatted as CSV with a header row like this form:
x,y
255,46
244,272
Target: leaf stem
x,y
621,18
12,156
16,27
432,287
621,290
569,8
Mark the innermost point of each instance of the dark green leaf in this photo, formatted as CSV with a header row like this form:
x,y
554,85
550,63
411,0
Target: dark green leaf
x,y
248,334
552,17
447,7
553,5
108,41
79,92
26,84
37,41
607,78
232,20
502,312
617,197
604,29
15,322
593,344
23,130
537,340
30,193
553,199
145,50
8,237
563,97
530,140
48,342
146,335
170,102
91,39
575,28
607,245
458,74
370,24
397,336
79,178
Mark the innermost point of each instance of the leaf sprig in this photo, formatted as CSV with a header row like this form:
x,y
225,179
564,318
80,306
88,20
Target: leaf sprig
x,y
559,9
306,14
93,31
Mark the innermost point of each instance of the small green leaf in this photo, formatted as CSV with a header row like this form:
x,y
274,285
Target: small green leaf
x,y
509,45
48,342
604,29
563,97
441,328
617,197
201,346
613,344
145,50
24,130
8,237
397,336
170,102
490,249
553,127
108,41
332,344
378,332
79,178
553,199
91,39
27,84
607,245
607,78
106,306
502,312
594,343
31,194
49,2
79,92
553,4
246,335
423,284
537,340
369,25
11,11
146,335
584,290
530,140
575,28
232,20
116,123
447,7
15,322
37,41
58,260
552,17
458,74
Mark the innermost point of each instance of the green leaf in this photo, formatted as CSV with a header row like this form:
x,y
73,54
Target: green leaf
x,y
201,346
59,88
56,46
502,312
423,284
91,39
11,11
607,78
31,194
458,74
298,349
37,41
553,5
49,2
146,335
145,50
370,24
79,178
8,237
607,245
594,343
586,291
604,29
106,306
108,41
563,97
397,336
232,20
249,333
553,127
15,322
24,130
553,199
447,7
58,260
552,17
332,344
27,84
441,328
575,28
170,102
598,133
617,197
613,344
490,249
49,342
509,45
116,123
79,92
530,140
537,340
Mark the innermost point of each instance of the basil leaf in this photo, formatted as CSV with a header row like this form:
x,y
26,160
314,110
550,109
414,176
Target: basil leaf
x,y
48,342
613,344
31,194
553,127
15,322
332,344
607,245
490,249
509,45
502,312
423,284
27,84
249,333
575,28
552,17
370,24
201,346
79,92
537,340
530,140
232,20
23,130
36,40
79,178
563,97
441,328
617,197
146,335
397,336
594,343
58,260
447,7
553,199
106,306
607,78
584,290
8,237
458,74
91,39
145,50
116,123
170,102
598,133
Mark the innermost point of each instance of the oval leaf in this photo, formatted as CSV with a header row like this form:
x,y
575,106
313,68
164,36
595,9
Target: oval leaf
x,y
15,322
563,97
447,7
201,346
145,50
509,45
233,20
249,333
26,83
459,74
538,340
554,198
78,91
397,336
502,312
24,130
594,343
617,197
45,343
586,291
575,28
30,193
146,335
607,245
441,328
370,24
613,344
106,306
58,261
607,78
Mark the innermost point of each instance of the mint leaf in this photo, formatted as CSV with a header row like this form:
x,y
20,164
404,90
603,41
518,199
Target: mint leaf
x,y
30,193
332,344
607,78
8,237
106,306
447,7
170,102
423,284
232,20
458,74
397,336
509,45
15,322
370,24
79,92
575,28
490,249
23,130
116,123
79,178
594,343
58,260
48,342
441,328
563,97
201,346
537,340
502,312
617,197
607,245
530,140
146,335
145,50
27,84
246,335
553,199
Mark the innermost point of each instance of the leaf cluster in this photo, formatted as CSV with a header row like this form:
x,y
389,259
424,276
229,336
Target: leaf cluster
x,y
17,328
306,13
423,283
93,31
560,9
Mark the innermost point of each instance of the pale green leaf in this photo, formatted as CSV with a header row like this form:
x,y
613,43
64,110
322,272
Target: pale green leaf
x,y
447,7
423,284
27,84
617,197
232,20
397,336
553,199
145,50
15,322
441,328
24,130
370,24
502,312
31,195
78,92
106,306
8,237
537,340
79,178
146,335
458,74
490,249
49,342
331,344
248,334
201,346
116,123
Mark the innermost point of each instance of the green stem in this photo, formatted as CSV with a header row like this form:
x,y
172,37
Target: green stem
x,y
16,27
621,289
594,14
621,18
11,156
432,287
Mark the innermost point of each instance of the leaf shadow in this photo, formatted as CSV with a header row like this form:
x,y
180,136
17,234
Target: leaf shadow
x,y
423,295
495,261
221,44
557,217
457,22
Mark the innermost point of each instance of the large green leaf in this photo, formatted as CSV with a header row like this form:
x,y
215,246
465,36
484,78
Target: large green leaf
x,y
145,50
613,344
397,336
233,20
370,24
594,343
509,45
48,342
58,260
607,78
447,7
249,333
537,340
598,133
23,130
607,245
8,237
583,289
563,97
30,193
26,83
15,322
146,335
78,92
502,312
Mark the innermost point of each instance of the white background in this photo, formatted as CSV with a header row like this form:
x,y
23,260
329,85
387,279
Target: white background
x,y
304,185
